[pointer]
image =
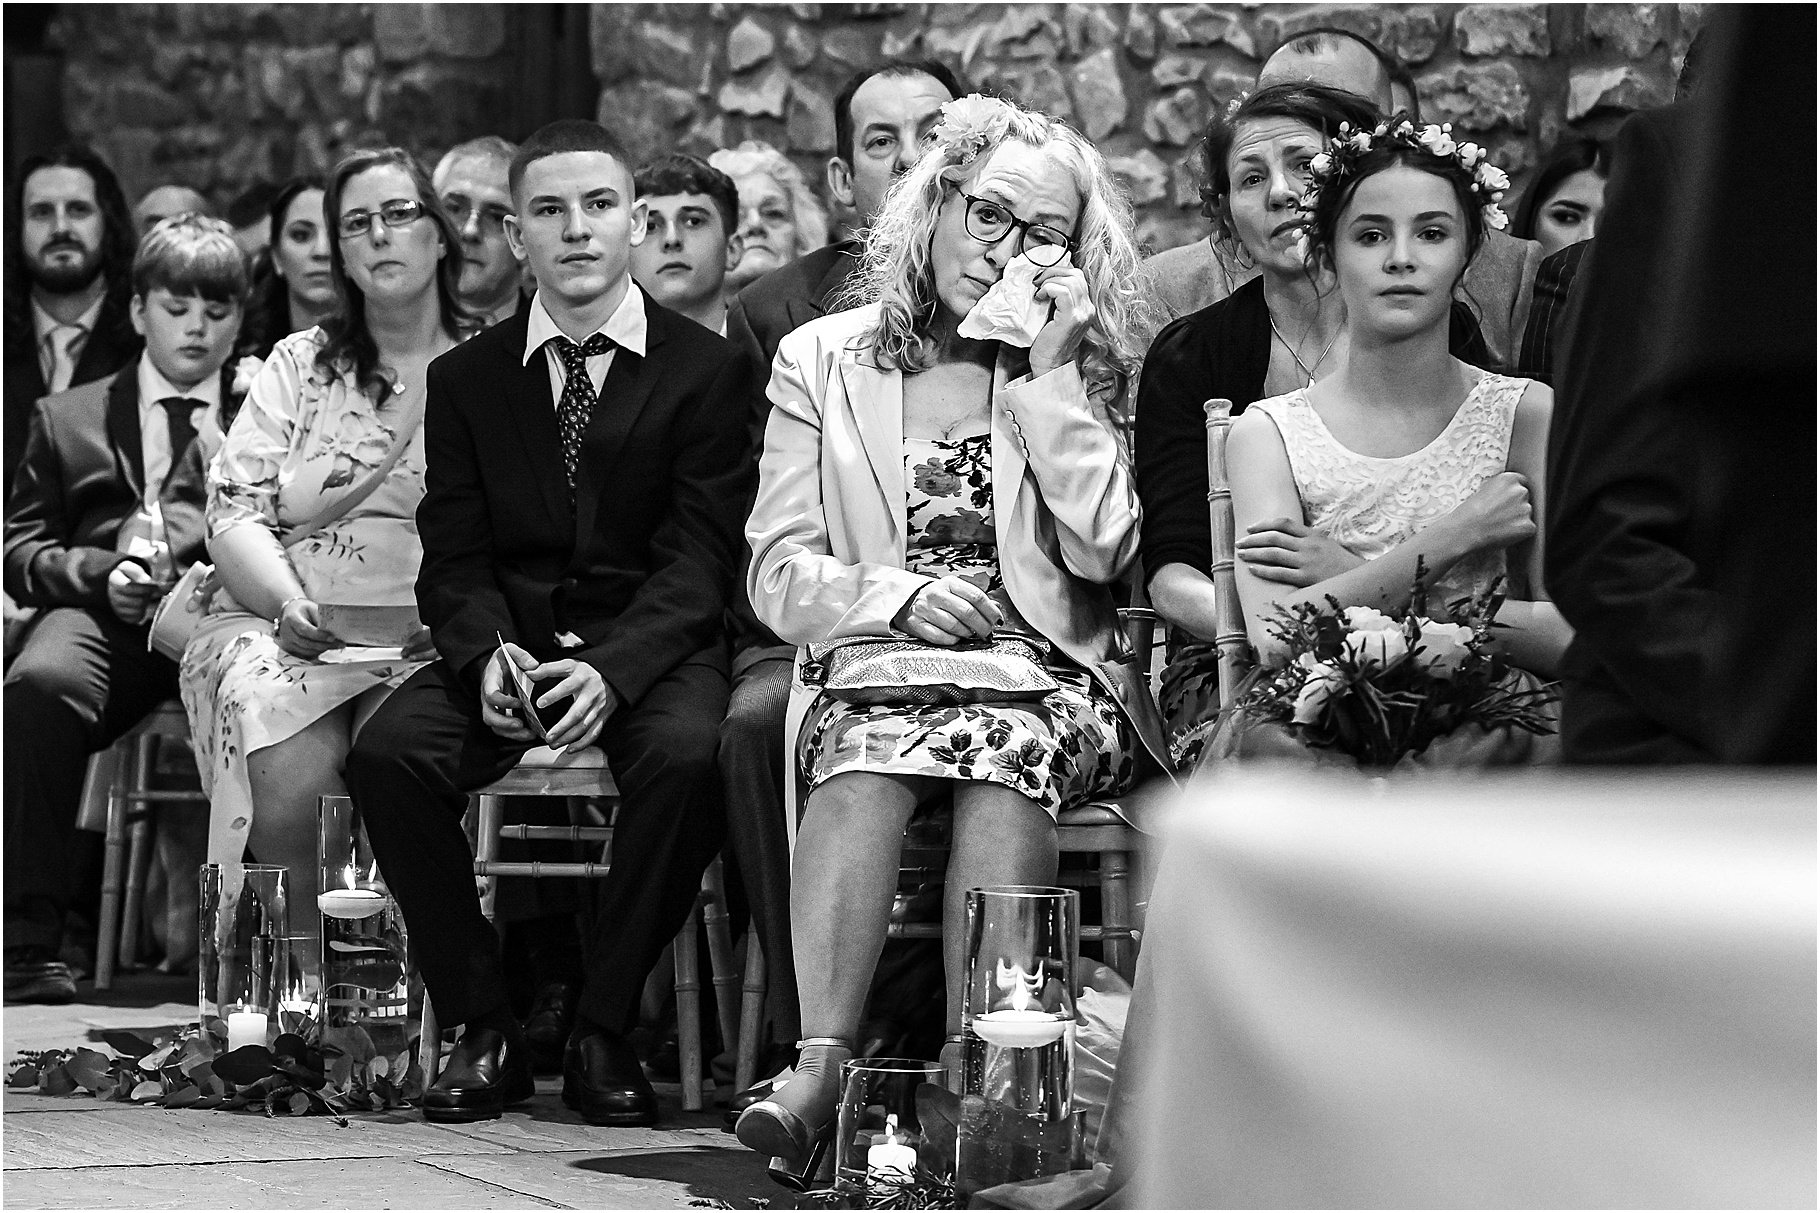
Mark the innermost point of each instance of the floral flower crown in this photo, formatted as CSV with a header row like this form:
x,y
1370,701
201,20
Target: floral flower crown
x,y
1345,149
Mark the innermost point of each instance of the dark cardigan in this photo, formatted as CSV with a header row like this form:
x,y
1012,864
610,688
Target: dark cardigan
x,y
1223,350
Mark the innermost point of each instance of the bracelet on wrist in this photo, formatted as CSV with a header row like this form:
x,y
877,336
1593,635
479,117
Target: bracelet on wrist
x,y
278,619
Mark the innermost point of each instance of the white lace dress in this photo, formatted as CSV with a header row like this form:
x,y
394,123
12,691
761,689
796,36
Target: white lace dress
x,y
1369,505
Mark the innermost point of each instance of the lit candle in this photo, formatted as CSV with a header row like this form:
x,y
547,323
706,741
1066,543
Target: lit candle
x,y
246,1028
1021,1025
891,1159
350,903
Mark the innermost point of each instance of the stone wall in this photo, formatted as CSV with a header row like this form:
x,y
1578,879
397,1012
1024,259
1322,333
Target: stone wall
x,y
219,95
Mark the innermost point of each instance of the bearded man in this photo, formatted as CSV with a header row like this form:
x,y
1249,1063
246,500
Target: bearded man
x,y
68,284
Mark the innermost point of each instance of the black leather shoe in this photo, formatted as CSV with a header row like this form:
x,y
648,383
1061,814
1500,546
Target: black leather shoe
x,y
486,1071
775,1069
551,1021
35,974
601,1079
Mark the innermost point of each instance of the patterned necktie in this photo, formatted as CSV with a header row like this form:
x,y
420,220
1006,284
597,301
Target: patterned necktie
x,y
178,411
576,408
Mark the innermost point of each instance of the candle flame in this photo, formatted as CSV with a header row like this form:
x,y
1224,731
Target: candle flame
x,y
350,879
891,1128
1020,987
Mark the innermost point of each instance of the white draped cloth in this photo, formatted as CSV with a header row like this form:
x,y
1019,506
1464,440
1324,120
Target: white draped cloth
x,y
1542,989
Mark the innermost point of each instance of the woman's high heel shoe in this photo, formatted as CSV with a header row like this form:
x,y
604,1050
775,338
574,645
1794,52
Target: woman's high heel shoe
x,y
797,1145
813,1173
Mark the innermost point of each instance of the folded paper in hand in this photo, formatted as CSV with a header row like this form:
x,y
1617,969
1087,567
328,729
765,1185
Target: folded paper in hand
x,y
520,684
1010,311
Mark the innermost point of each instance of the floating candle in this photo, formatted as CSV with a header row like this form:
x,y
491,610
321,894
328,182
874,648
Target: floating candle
x,y
1019,1029
350,903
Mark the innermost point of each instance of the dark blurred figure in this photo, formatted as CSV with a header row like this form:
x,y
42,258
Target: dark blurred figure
x,y
164,201
1680,525
70,243
246,214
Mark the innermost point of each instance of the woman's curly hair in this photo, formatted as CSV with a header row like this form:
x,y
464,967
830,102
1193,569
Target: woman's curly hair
x,y
896,270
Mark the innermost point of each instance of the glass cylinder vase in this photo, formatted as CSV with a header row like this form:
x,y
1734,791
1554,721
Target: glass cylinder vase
x,y
1017,1019
243,922
363,972
880,1149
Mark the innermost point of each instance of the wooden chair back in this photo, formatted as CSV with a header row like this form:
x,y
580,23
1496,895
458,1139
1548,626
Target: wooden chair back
x,y
1229,617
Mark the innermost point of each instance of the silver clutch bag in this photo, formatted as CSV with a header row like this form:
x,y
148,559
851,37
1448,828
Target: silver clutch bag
x,y
884,670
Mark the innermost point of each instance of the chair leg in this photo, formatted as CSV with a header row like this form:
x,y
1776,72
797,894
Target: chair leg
x,y
139,859
486,849
112,878
688,1012
720,953
1115,912
429,1044
751,1013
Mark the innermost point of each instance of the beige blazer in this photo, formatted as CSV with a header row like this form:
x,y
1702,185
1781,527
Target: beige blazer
x,y
828,528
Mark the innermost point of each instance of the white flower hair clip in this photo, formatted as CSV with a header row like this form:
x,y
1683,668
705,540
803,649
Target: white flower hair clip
x,y
968,124
1340,159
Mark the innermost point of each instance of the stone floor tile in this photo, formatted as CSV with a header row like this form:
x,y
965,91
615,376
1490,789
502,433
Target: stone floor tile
x,y
364,1183
640,1179
145,1136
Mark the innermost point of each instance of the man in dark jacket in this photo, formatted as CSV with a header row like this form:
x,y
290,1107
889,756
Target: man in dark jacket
x,y
99,523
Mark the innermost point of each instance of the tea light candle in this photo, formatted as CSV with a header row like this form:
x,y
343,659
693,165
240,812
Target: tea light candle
x,y
891,1158
1019,1029
350,903
246,1028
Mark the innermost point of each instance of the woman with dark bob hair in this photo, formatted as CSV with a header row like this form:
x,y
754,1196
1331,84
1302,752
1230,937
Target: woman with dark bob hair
x,y
1567,195
1405,457
1284,329
271,718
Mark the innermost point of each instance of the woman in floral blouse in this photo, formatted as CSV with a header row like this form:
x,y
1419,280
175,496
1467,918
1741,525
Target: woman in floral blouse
x,y
273,696
924,484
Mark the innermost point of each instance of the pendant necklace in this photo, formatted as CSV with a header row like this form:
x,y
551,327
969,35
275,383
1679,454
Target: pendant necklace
x,y
1303,366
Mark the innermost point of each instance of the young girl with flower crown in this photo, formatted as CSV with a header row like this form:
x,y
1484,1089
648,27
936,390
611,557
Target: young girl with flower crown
x,y
1405,453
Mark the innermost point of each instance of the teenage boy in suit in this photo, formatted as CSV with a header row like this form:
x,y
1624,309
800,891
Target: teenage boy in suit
x,y
587,462
97,527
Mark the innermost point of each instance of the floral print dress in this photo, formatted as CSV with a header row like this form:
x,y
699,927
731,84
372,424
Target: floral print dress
x,y
301,439
1061,751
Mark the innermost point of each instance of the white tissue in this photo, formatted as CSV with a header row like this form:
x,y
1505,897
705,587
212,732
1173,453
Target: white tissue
x,y
1009,311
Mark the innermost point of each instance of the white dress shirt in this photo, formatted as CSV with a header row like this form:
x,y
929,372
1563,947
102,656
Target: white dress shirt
x,y
60,345
625,327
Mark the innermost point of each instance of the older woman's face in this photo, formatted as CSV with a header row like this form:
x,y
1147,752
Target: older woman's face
x,y
1266,173
389,264
1028,183
767,223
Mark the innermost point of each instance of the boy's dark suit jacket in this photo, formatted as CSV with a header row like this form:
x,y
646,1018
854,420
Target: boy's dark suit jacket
x,y
111,346
82,475
642,569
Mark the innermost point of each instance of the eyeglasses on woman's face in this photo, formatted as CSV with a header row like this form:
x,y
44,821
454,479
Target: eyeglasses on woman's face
x,y
399,212
990,222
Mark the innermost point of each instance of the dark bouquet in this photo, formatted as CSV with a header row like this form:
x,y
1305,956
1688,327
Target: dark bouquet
x,y
1376,688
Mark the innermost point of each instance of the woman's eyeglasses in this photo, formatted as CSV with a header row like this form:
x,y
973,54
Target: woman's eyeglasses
x,y
397,213
990,222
